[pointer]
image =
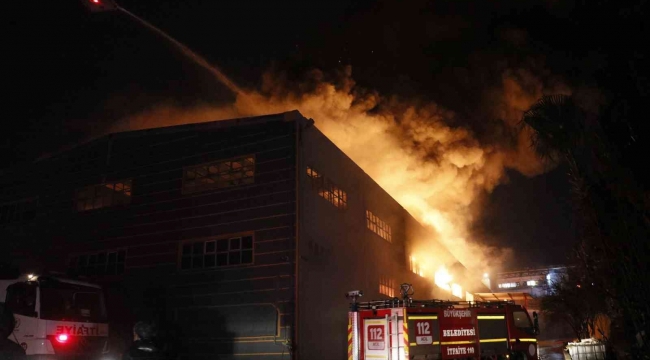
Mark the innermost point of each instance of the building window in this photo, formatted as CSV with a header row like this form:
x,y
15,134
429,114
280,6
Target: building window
x,y
219,174
415,267
378,226
209,254
457,290
23,210
104,195
317,250
100,263
327,189
386,286
508,285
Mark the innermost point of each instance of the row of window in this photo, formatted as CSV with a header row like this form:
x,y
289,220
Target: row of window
x,y
203,254
200,254
517,284
104,195
378,226
339,198
327,189
387,286
220,174
17,211
100,263
507,285
214,175
210,254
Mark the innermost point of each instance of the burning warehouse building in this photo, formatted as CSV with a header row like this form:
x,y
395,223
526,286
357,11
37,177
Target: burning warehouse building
x,y
244,234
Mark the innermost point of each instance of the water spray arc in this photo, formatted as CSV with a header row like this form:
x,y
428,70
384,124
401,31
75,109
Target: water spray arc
x,y
198,59
394,144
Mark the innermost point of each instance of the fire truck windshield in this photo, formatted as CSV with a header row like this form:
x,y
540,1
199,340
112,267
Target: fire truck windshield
x,y
522,321
63,301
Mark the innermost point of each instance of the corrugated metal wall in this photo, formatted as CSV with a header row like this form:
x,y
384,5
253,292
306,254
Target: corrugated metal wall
x,y
240,310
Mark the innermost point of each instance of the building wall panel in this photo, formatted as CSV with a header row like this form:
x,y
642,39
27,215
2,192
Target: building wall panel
x,y
161,216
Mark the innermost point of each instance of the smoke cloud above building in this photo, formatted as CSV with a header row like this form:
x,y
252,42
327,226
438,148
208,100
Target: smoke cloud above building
x,y
419,152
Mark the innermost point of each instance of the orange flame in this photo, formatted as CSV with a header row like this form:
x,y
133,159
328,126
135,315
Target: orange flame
x,y
438,172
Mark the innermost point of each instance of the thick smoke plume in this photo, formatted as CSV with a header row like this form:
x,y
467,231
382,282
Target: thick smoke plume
x,y
437,171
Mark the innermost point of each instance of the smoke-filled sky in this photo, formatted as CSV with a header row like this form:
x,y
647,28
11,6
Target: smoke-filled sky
x,y
425,95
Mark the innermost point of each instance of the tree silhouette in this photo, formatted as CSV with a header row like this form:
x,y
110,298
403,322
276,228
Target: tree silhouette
x,y
574,299
611,205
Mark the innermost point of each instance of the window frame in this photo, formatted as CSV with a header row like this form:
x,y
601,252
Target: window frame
x,y
508,285
196,189
327,189
370,216
106,261
94,187
387,286
21,207
215,252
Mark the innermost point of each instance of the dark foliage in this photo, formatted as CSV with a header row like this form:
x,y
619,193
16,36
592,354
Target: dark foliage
x,y
611,203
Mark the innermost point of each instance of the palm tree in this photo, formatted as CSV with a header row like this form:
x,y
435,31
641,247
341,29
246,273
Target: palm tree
x,y
557,125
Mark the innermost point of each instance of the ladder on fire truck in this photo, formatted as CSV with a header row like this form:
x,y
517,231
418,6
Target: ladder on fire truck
x,y
394,342
394,337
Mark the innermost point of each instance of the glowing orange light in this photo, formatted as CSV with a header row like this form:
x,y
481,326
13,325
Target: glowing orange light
x,y
457,290
442,278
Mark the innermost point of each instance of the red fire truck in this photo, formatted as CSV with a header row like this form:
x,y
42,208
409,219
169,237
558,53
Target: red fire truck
x,y
408,329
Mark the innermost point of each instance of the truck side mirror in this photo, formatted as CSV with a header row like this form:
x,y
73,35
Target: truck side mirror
x,y
535,322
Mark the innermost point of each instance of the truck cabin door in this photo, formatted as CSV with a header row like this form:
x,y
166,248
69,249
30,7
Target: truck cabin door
x,y
522,334
21,301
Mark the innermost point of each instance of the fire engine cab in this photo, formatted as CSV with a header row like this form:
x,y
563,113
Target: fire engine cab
x,y
408,329
56,317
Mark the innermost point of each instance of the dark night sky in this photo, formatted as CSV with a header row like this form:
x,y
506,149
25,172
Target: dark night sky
x,y
68,71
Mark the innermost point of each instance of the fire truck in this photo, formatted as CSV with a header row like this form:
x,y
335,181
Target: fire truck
x,y
56,317
408,329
